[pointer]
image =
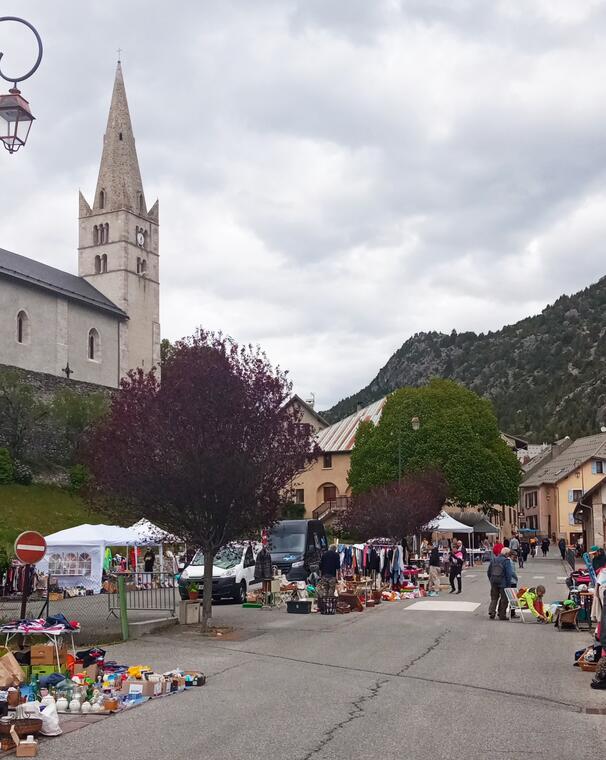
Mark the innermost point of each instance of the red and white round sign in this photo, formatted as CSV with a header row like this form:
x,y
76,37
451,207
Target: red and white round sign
x,y
30,547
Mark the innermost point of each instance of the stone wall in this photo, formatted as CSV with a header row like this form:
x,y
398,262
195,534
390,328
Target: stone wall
x,y
48,445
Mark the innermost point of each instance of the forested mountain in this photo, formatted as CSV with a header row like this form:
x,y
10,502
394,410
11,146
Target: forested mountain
x,y
545,375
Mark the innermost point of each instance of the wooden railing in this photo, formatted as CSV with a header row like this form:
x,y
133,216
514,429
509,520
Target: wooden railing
x,y
330,508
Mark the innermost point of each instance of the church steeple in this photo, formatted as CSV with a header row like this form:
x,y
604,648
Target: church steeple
x,y
119,185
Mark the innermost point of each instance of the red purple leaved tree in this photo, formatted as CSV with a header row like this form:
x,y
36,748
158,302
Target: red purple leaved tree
x,y
208,454
396,509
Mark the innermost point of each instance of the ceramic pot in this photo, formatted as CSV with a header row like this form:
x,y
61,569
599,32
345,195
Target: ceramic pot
x,y
86,707
97,707
74,706
62,704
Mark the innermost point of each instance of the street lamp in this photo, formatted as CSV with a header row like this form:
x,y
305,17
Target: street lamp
x,y
15,115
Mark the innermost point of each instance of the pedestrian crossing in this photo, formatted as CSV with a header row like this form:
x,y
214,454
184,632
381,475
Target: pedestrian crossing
x,y
436,606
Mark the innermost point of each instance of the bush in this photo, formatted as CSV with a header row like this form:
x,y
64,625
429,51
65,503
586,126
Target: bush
x,y
79,477
293,511
6,467
22,473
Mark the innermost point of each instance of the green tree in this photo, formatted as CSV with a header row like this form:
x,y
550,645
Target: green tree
x,y
458,435
75,413
166,351
20,412
6,467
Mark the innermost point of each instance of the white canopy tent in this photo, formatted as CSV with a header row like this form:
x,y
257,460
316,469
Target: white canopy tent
x,y
445,523
76,555
151,535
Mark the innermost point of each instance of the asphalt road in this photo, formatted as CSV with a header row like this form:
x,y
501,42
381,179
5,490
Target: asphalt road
x,y
390,682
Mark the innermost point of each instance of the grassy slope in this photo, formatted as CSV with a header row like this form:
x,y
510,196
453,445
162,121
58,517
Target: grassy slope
x,y
38,507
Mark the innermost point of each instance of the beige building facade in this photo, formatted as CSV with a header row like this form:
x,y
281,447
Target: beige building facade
x,y
100,324
553,495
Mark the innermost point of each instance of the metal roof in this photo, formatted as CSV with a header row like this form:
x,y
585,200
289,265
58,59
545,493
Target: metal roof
x,y
579,452
342,435
56,280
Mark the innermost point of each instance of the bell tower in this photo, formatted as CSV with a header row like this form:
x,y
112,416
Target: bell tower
x,y
118,249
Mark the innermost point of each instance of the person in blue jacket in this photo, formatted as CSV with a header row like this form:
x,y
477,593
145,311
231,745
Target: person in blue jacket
x,y
500,577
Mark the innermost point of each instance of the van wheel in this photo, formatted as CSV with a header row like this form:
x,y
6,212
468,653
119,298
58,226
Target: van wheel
x,y
241,596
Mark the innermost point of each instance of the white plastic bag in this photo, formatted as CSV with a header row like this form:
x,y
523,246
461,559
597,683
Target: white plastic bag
x,y
50,718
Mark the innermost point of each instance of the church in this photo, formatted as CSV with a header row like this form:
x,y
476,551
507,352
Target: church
x,y
98,325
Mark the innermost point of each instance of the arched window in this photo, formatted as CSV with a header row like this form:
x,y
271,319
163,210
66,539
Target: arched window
x,y
141,204
106,225
104,263
97,264
95,235
23,328
102,199
143,266
94,345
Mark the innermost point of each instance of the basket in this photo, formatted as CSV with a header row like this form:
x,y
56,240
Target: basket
x,y
23,727
587,665
327,605
299,607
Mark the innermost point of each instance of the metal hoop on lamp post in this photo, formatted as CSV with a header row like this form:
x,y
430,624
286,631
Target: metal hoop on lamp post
x,y
33,70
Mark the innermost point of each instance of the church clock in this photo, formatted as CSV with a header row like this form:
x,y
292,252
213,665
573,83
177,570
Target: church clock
x,y
140,239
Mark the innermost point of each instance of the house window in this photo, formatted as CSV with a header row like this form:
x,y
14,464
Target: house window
x,y
97,264
575,495
94,345
327,461
330,493
23,332
530,499
300,496
597,468
104,263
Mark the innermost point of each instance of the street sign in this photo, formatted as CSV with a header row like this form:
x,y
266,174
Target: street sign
x,y
30,547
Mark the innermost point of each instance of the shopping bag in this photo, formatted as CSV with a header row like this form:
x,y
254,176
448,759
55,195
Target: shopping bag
x,y
11,673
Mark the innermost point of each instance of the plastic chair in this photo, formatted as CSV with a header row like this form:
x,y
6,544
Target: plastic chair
x,y
514,603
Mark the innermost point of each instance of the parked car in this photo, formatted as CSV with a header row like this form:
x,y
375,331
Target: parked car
x,y
233,572
296,547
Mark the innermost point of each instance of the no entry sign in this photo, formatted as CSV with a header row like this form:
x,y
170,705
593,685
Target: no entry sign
x,y
30,547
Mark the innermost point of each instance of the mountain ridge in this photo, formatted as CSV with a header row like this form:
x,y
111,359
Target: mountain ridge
x,y
545,374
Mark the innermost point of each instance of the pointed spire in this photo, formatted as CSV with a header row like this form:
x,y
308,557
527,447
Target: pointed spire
x,y
119,184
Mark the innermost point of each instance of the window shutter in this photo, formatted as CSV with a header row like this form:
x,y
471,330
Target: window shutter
x,y
571,496
594,468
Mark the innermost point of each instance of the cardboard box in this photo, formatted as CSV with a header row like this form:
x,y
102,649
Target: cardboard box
x,y
44,654
24,748
92,671
143,688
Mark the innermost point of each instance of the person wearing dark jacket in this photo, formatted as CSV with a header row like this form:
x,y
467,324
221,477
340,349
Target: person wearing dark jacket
x,y
562,548
435,564
500,577
263,569
330,564
456,569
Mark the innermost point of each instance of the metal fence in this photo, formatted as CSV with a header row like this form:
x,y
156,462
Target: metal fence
x,y
144,591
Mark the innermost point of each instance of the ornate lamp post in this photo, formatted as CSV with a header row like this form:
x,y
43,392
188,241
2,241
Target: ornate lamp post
x,y
15,115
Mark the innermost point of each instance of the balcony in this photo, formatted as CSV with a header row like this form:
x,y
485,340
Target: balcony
x,y
329,510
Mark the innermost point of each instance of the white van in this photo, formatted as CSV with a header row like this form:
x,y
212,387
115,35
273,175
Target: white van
x,y
233,572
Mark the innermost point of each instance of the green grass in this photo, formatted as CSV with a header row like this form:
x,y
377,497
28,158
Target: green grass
x,y
46,509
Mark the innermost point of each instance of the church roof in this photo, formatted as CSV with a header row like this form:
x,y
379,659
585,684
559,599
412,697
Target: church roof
x,y
62,283
119,173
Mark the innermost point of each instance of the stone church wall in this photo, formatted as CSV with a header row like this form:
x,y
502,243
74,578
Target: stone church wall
x,y
48,444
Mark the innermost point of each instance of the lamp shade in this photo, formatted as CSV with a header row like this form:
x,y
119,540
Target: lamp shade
x,y
15,120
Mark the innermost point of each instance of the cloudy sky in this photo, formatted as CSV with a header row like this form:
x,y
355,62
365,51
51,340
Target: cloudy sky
x,y
333,175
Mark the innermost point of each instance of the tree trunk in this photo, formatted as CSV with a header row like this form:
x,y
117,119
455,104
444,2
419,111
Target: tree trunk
x,y
207,596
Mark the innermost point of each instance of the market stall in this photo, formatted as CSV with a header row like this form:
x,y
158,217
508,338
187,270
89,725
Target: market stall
x,y
75,556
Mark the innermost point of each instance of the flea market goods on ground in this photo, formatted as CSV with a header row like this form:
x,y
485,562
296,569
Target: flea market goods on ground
x,y
47,679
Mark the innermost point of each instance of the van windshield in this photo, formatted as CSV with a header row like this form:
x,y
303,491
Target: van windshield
x,y
283,539
225,558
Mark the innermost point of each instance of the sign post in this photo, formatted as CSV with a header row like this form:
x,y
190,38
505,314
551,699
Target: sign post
x,y
30,547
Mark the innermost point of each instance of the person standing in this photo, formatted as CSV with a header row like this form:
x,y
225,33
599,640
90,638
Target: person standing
x,y
330,564
562,548
497,548
456,569
524,549
545,546
434,570
533,547
514,545
499,576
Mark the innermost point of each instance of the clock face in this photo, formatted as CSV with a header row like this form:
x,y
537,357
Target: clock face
x,y
140,239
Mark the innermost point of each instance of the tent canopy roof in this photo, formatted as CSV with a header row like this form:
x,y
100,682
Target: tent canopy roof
x,y
150,534
445,523
93,535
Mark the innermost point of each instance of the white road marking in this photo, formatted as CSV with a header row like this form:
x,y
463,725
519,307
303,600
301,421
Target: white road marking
x,y
538,577
432,606
561,577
